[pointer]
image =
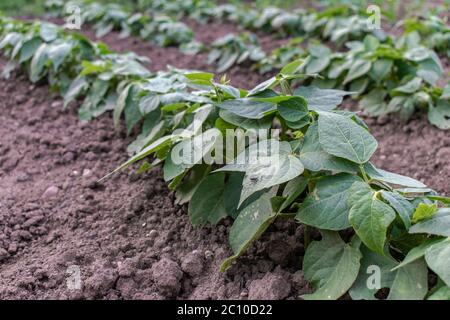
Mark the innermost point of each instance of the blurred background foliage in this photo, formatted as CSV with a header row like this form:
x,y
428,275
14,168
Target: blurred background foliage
x,y
391,8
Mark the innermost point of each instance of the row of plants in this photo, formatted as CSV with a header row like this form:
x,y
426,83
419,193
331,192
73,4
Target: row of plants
x,y
160,29
385,77
315,168
338,24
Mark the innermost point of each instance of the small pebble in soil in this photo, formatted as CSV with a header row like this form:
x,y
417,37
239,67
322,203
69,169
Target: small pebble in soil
x,y
209,254
51,192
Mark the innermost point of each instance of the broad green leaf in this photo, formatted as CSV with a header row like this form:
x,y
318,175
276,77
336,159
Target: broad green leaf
x,y
293,109
409,87
440,115
358,69
342,137
392,178
190,184
245,123
418,252
442,293
321,99
380,69
251,223
247,108
292,67
417,54
331,265
266,164
438,259
77,86
314,158
424,211
207,203
411,282
131,110
446,92
374,267
370,217
121,104
327,208
29,49
38,63
374,102
149,103
48,31
404,208
317,65
438,225
58,53
190,152
292,190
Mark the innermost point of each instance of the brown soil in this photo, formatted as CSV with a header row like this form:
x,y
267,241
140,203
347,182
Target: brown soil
x,y
127,237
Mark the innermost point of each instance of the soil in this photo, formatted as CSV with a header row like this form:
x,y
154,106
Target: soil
x,y
126,236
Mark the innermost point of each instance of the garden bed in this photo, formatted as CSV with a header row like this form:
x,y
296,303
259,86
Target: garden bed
x,y
126,236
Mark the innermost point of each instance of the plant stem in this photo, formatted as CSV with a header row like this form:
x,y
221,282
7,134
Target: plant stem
x,y
364,174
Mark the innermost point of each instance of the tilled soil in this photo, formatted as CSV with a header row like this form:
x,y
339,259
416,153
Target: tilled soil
x,y
126,236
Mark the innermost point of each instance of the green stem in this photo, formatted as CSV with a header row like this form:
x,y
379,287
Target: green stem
x,y
364,174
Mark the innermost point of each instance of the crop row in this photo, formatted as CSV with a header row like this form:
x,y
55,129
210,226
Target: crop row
x,y
387,75
315,169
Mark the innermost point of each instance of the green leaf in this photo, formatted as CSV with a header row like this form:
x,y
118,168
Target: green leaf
x,y
121,104
77,86
316,65
424,211
131,110
48,32
409,87
266,164
442,293
392,178
410,283
438,225
190,184
403,207
149,103
327,208
249,226
373,102
245,123
58,53
292,190
331,266
293,109
406,283
418,252
358,69
38,63
380,69
314,158
342,137
440,115
370,217
446,92
29,48
247,108
364,286
292,67
321,99
438,259
207,203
